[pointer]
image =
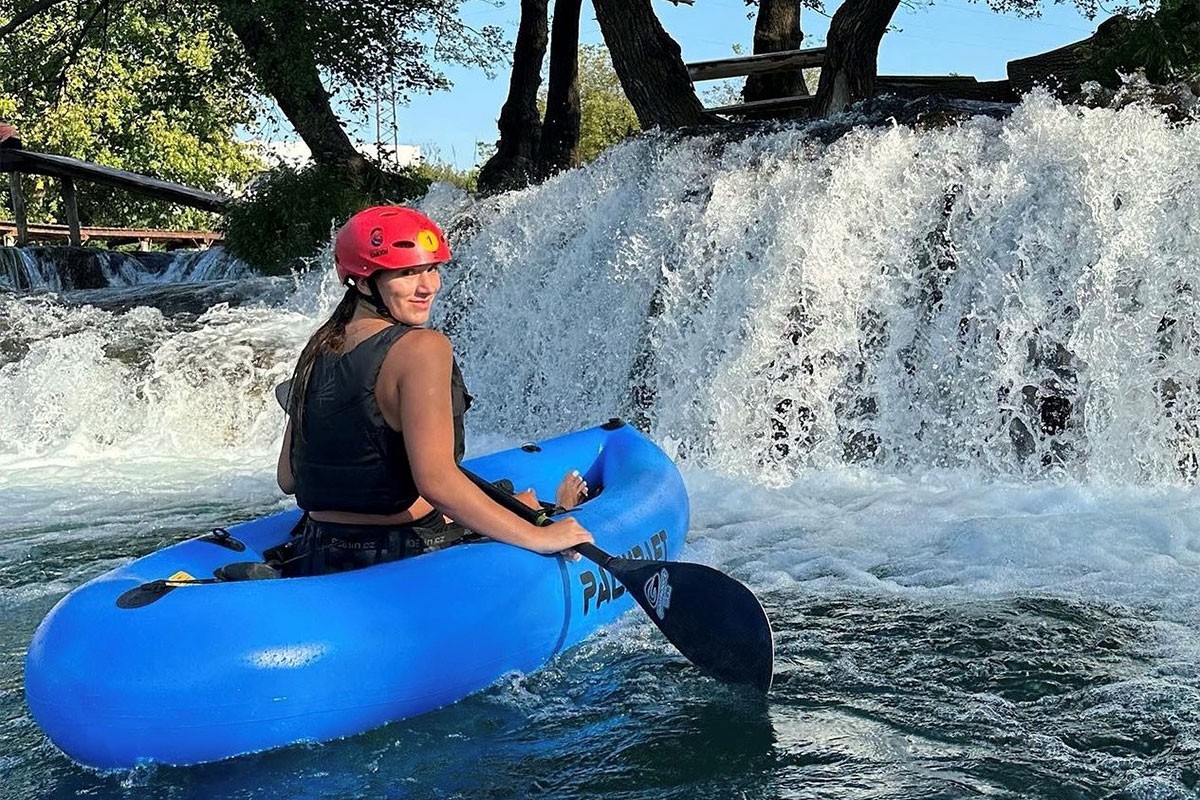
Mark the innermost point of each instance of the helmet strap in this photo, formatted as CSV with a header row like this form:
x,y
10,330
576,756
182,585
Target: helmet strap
x,y
375,299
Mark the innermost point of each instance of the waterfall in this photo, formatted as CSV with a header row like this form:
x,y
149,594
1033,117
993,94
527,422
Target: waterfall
x,y
20,269
64,268
1012,298
1009,299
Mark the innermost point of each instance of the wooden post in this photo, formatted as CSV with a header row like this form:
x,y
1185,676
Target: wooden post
x,y
68,195
18,203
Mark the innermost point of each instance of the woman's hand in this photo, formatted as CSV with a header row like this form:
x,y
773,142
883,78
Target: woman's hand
x,y
561,536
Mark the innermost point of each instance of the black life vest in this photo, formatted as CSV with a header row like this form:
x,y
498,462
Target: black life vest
x,y
347,458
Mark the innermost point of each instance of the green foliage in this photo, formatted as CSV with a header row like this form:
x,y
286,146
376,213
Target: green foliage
x,y
162,86
371,50
289,214
434,170
159,94
605,115
1166,43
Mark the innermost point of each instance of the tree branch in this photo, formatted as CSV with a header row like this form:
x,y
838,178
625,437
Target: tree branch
x,y
69,58
24,16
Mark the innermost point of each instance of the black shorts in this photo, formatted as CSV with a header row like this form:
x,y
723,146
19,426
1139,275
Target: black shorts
x,y
325,547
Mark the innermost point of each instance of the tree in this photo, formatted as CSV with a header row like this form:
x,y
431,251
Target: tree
x,y
655,78
851,53
514,163
776,29
649,63
160,95
293,49
605,114
560,132
295,46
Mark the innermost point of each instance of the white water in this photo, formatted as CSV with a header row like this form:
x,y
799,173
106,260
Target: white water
x,y
908,302
871,388
20,269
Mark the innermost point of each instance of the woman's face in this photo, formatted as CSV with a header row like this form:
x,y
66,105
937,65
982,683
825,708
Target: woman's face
x,y
409,293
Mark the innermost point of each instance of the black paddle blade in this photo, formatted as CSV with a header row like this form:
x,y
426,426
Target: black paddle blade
x,y
714,621
144,595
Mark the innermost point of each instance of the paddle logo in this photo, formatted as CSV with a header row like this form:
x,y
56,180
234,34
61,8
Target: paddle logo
x,y
600,587
658,592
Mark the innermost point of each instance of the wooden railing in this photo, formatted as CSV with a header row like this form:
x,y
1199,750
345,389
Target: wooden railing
x,y
10,235
754,65
904,85
16,161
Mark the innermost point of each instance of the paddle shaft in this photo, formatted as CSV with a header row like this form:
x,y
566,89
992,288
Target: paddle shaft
x,y
539,518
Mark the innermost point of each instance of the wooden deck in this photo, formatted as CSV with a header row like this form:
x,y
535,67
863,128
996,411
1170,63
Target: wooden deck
x,y
16,161
755,65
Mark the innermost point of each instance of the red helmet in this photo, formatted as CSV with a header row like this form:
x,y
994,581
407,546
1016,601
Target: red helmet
x,y
387,237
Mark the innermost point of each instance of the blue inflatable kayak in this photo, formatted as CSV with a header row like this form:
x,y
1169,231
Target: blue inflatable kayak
x,y
211,670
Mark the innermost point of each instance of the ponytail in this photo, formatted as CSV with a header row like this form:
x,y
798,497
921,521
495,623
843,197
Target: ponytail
x,y
328,338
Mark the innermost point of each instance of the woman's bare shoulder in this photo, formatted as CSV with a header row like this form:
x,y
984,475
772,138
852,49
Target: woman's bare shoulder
x,y
420,349
424,341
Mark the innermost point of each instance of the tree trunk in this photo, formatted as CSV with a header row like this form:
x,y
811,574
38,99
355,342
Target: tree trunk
x,y
851,54
776,29
514,164
560,131
649,65
289,74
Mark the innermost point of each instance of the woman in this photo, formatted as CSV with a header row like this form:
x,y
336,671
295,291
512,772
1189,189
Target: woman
x,y
375,428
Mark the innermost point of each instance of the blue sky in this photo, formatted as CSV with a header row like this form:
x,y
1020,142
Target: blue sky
x,y
948,36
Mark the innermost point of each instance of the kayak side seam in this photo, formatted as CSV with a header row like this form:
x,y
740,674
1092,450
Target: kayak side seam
x,y
566,585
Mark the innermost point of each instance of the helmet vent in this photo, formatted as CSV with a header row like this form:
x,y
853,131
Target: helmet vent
x,y
404,244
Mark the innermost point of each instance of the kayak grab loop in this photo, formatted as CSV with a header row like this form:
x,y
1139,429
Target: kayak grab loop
x,y
220,536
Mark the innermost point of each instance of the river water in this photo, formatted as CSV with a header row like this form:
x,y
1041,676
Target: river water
x,y
935,396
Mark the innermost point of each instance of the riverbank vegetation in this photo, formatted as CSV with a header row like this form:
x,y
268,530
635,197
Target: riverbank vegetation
x,y
161,94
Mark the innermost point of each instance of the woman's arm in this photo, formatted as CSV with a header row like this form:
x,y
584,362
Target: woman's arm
x,y
283,469
415,384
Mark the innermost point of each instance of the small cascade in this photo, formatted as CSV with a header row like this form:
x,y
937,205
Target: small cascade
x,y
22,270
70,268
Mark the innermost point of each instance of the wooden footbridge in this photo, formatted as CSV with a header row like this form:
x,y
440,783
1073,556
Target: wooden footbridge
x,y
813,57
17,161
